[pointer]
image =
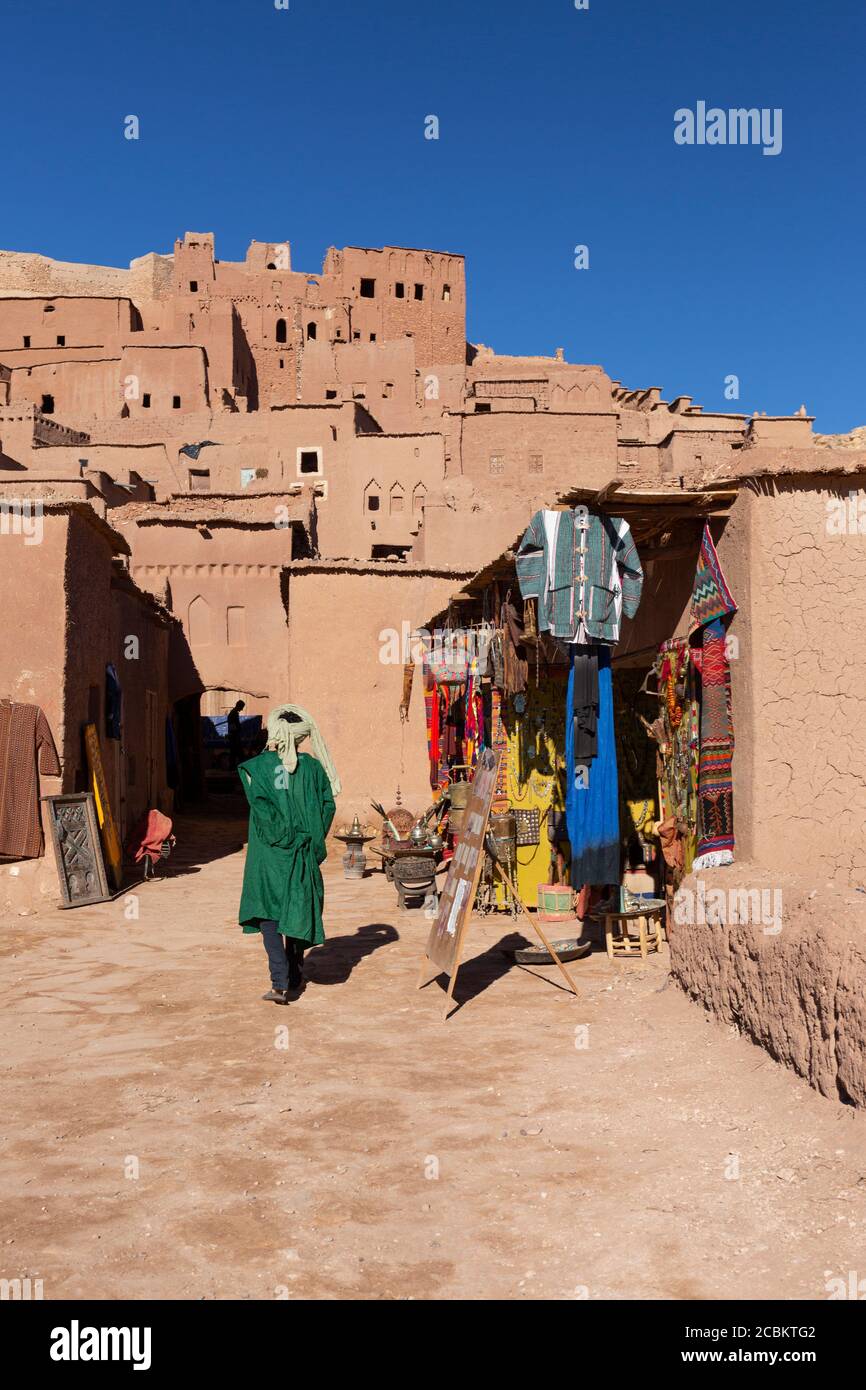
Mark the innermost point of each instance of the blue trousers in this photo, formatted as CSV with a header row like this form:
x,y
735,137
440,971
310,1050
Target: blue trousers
x,y
285,954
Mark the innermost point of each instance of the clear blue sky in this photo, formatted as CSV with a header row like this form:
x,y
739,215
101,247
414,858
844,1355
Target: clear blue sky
x,y
556,129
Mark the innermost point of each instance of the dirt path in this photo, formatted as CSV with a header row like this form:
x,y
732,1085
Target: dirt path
x,y
564,1171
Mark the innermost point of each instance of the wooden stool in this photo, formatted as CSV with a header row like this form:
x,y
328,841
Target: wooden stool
x,y
649,925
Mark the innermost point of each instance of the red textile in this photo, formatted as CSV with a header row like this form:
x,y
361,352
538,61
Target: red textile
x,y
148,836
431,708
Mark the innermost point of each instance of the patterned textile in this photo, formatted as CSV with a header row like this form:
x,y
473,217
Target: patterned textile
x,y
592,800
26,749
678,733
431,713
584,578
715,787
474,722
711,597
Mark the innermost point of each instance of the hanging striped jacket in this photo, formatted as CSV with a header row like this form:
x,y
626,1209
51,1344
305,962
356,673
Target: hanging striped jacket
x,y
584,578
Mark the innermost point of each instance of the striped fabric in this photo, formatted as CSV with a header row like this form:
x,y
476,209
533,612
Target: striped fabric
x,y
583,578
711,597
715,783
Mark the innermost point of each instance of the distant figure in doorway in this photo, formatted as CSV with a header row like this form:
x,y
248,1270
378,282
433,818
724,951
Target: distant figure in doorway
x,y
236,748
291,798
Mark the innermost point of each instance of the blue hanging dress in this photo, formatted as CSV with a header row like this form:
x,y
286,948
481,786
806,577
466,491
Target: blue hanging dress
x,y
592,807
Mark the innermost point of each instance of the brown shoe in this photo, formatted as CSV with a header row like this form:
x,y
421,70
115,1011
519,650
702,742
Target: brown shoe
x,y
277,996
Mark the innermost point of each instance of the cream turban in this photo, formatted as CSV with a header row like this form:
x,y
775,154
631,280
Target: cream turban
x,y
285,734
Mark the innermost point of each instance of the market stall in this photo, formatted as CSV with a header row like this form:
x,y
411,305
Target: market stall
x,y
593,655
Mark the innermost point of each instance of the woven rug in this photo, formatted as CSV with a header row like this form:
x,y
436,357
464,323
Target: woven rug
x,y
715,785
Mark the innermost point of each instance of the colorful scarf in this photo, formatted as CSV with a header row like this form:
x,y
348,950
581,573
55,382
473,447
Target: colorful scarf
x,y
711,597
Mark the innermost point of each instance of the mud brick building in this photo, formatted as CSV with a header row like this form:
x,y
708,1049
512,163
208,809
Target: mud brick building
x,y
264,468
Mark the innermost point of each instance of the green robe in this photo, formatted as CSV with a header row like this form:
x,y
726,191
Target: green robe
x,y
290,816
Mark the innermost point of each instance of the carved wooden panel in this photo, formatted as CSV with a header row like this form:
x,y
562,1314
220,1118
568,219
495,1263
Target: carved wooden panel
x,y
77,849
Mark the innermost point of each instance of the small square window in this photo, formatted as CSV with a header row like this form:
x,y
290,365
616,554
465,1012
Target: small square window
x,y
372,337
308,461
26,341
61,340
373,502
497,464
330,394
399,290
419,291
356,336
199,479
482,407
193,286
536,463
368,289
359,390
175,402
145,401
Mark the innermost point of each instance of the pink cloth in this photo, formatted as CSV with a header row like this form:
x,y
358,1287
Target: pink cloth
x,y
148,836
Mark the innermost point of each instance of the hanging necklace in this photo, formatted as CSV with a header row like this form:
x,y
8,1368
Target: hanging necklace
x,y
516,791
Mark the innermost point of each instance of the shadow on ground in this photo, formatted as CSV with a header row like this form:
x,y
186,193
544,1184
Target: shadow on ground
x,y
333,962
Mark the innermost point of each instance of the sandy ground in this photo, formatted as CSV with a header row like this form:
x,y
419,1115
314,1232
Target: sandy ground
x,y
166,1134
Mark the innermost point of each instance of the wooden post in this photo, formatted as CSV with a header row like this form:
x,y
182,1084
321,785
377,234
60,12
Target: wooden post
x,y
508,879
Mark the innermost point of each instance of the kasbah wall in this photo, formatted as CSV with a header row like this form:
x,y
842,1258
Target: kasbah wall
x,y
285,463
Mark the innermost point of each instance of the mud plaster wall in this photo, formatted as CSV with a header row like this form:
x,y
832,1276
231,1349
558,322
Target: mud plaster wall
x,y
31,655
335,621
101,618
798,685
138,674
798,993
806,639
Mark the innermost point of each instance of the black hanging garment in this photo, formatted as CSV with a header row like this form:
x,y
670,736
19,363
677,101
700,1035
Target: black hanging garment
x,y
585,703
